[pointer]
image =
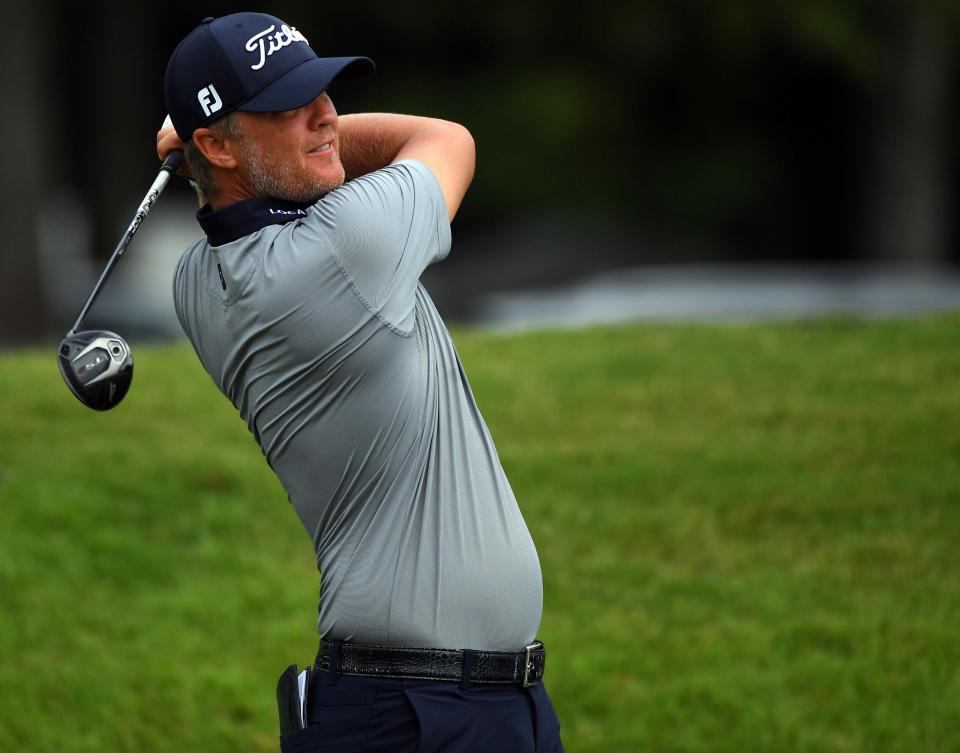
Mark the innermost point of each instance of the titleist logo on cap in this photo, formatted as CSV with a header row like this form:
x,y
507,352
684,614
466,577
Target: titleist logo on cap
x,y
258,43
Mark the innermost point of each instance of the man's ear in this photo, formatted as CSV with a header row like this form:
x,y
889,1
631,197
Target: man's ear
x,y
216,148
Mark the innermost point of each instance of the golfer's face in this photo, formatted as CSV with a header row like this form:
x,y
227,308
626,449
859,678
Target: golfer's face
x,y
299,147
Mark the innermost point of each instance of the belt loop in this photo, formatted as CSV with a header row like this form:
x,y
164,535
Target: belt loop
x,y
467,669
334,661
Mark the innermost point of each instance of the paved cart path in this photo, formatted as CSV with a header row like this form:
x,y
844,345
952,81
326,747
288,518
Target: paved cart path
x,y
728,293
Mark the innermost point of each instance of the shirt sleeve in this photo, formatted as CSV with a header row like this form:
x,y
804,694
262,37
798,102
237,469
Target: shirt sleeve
x,y
385,228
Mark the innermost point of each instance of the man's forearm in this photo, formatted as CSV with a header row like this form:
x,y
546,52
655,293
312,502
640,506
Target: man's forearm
x,y
369,141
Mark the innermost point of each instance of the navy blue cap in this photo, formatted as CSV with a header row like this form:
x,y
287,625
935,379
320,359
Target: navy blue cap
x,y
246,61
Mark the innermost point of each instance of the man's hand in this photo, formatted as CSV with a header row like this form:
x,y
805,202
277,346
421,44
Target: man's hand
x,y
168,141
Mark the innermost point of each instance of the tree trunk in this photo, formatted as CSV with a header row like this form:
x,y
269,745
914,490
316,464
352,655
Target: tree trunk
x,y
906,216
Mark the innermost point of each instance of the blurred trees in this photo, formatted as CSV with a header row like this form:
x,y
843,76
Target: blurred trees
x,y
765,129
769,130
23,173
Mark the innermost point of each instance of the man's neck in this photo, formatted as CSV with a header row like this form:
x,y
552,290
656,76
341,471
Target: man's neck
x,y
231,188
228,196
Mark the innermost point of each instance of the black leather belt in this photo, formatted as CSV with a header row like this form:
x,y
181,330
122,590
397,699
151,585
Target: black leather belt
x,y
520,668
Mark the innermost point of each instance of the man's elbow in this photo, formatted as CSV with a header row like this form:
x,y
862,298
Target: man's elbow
x,y
448,149
462,143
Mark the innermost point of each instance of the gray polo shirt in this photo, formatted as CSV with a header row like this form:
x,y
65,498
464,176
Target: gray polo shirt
x,y
312,321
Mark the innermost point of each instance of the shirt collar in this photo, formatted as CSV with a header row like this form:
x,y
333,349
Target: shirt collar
x,y
248,216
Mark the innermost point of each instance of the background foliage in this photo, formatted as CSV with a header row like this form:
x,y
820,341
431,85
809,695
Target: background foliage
x,y
685,130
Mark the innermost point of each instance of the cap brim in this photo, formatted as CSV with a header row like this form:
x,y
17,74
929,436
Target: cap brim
x,y
303,84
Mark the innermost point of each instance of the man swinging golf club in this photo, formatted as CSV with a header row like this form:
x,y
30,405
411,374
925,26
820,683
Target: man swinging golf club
x,y
303,303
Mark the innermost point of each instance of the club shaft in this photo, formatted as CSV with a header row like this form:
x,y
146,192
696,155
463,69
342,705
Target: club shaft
x,y
169,167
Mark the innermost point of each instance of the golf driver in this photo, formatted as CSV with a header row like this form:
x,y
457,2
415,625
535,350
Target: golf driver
x,y
97,365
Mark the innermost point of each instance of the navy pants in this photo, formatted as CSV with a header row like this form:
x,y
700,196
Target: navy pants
x,y
391,715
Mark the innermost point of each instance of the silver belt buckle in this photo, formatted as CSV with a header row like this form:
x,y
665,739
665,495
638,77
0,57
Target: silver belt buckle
x,y
528,664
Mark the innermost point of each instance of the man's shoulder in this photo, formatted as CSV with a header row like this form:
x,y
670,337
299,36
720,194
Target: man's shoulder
x,y
379,204
402,175
188,260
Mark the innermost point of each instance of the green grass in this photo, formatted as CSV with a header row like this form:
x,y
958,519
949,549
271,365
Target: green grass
x,y
750,539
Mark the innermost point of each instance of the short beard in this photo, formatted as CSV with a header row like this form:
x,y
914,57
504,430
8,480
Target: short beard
x,y
282,181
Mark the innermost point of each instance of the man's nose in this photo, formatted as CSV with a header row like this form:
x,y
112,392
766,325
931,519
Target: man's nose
x,y
322,111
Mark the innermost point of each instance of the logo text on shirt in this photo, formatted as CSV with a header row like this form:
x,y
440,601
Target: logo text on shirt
x,y
302,212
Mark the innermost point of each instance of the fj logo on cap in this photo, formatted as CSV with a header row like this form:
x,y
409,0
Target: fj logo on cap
x,y
209,99
258,42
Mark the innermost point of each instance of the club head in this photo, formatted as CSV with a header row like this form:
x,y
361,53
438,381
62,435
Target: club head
x,y
97,366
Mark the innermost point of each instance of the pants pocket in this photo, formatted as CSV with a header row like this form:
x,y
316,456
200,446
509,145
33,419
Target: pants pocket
x,y
307,740
546,720
338,718
333,729
479,720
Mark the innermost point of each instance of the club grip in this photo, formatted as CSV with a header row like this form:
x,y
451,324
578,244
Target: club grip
x,y
172,163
